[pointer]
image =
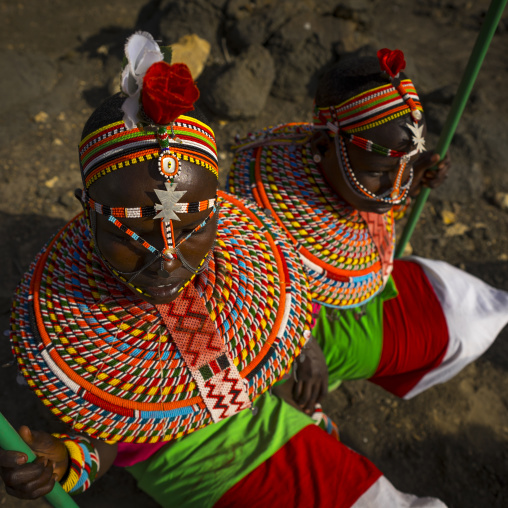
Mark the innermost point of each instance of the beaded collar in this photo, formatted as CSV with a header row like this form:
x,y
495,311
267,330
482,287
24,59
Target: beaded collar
x,y
347,254
114,367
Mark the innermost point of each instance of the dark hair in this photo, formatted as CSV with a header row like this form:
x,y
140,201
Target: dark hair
x,y
348,78
110,111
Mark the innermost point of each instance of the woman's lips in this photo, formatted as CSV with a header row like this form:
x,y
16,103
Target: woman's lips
x,y
161,289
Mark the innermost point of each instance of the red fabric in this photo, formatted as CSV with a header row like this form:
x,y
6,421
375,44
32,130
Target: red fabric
x,y
312,469
415,333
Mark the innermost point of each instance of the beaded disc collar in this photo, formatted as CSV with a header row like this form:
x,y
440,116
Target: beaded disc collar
x,y
338,245
104,361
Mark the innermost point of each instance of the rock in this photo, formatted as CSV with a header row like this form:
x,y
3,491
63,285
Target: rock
x,y
448,217
302,47
51,182
501,200
193,51
257,24
68,200
354,10
241,90
456,229
220,4
181,17
239,9
41,117
245,32
465,182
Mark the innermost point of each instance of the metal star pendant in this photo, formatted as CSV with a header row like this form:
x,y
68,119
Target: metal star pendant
x,y
418,138
168,199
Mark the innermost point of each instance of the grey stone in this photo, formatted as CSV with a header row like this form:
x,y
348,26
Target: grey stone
x,y
241,90
301,48
245,32
256,24
181,17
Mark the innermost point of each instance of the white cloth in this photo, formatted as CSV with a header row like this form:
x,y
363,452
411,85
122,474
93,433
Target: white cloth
x,y
382,494
475,314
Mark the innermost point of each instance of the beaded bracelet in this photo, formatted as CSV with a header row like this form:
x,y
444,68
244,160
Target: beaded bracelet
x,y
323,421
83,464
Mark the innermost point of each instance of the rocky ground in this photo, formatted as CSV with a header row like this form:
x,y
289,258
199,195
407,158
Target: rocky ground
x,y
60,59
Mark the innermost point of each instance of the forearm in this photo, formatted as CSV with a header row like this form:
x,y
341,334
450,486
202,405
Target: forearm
x,y
107,454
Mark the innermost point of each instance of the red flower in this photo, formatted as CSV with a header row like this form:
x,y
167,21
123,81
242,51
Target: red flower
x,y
168,92
392,62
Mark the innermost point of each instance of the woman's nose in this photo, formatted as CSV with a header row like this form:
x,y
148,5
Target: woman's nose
x,y
169,263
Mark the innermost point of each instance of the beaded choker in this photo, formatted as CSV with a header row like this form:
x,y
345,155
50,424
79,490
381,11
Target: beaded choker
x,y
117,368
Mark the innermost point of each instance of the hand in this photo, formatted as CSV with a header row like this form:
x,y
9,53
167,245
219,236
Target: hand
x,y
423,175
36,479
311,381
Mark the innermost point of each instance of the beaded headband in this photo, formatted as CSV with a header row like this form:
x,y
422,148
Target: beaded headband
x,y
114,147
371,108
146,211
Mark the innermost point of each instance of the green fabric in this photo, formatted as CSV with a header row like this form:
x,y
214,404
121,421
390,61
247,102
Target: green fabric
x,y
197,470
352,339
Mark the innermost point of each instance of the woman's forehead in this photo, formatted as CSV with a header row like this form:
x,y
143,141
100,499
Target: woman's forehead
x,y
135,185
394,134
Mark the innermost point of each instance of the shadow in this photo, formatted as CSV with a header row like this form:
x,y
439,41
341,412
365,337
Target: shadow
x,y
27,234
449,442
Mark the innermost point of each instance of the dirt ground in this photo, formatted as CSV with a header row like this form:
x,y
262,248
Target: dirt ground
x,y
60,59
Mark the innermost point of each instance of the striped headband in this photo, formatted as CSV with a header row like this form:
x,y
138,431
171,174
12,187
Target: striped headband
x,y
371,108
114,146
146,211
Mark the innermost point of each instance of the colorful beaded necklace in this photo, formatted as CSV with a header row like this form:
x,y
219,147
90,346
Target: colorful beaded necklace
x,y
106,362
347,254
275,168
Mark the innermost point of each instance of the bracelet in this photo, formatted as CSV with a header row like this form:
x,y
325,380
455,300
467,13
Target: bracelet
x,y
323,421
307,335
83,466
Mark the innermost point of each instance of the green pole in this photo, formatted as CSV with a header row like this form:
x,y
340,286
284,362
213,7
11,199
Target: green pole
x,y
459,102
11,440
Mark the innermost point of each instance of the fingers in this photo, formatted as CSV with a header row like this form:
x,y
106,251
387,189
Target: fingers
x,y
430,171
30,481
10,459
307,394
42,443
425,161
26,435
